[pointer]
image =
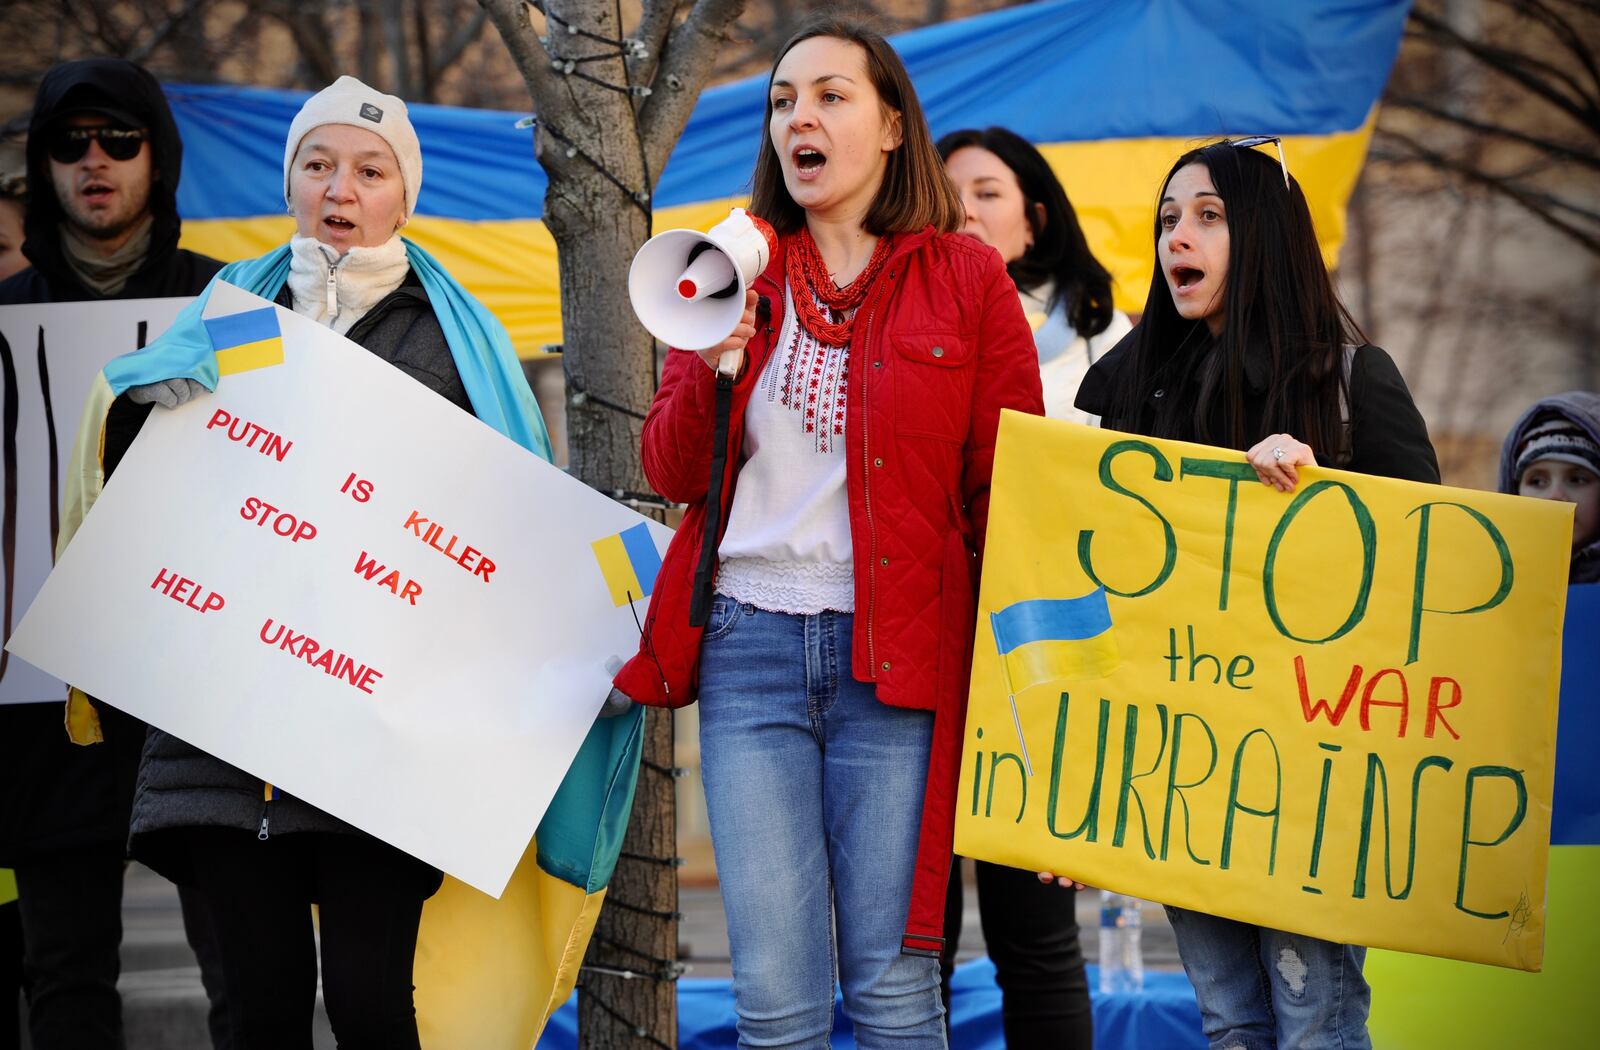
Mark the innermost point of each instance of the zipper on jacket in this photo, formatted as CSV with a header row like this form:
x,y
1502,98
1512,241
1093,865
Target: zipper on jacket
x,y
268,793
866,497
333,285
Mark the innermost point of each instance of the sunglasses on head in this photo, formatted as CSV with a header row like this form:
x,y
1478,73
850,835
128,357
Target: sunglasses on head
x,y
1262,140
68,145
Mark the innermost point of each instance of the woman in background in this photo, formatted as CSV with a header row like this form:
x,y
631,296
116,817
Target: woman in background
x,y
1014,202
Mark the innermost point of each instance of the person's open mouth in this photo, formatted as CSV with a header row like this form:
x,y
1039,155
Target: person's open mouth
x,y
339,224
1186,277
808,161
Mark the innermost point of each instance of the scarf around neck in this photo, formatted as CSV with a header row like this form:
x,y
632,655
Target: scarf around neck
x,y
106,274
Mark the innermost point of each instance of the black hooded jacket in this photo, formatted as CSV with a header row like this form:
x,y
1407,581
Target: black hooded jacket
x,y
56,795
168,270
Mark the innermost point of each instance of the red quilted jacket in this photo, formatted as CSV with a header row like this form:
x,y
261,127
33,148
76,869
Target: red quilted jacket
x,y
940,347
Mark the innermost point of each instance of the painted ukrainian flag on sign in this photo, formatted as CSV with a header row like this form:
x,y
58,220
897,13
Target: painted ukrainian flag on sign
x,y
246,341
629,562
1055,639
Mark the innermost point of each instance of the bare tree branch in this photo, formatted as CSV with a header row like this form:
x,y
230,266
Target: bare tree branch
x,y
1516,67
309,28
684,71
1542,205
459,41
655,22
1562,30
510,18
165,30
1438,112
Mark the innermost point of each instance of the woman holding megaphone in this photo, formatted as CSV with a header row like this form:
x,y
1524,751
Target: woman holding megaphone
x,y
878,349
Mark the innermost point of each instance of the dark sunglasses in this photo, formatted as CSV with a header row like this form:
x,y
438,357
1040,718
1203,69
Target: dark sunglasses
x,y
1262,140
68,145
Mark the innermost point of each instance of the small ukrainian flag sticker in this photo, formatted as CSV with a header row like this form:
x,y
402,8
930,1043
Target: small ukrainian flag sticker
x,y
246,341
629,562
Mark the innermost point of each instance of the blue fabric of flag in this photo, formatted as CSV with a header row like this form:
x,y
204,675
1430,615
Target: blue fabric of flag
x,y
1051,619
251,326
1575,819
1302,68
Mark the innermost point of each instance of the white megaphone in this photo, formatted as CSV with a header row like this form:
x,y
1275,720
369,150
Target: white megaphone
x,y
687,287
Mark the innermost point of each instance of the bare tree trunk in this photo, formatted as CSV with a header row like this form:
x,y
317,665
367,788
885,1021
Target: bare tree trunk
x,y
369,44
603,136
628,994
394,39
425,80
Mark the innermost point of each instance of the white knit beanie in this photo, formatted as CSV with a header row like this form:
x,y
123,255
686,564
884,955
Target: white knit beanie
x,y
349,101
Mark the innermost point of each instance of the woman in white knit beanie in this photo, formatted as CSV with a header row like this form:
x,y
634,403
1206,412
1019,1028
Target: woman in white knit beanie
x,y
258,857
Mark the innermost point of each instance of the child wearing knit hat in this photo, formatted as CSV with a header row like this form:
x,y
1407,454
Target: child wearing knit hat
x,y
1554,453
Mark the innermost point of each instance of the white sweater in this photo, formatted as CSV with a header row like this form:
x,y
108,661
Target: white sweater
x,y
787,547
1064,355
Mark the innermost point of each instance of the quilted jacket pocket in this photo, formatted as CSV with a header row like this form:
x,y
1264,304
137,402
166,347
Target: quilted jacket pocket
x,y
933,380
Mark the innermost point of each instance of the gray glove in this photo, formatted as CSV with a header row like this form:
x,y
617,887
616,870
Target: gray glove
x,y
617,703
169,393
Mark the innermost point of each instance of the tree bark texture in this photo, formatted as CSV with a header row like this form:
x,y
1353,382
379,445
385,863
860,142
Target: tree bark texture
x,y
609,111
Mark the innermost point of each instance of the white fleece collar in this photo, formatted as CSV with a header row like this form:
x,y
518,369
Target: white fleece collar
x,y
338,292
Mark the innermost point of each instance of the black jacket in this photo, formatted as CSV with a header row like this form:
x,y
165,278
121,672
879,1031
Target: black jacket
x,y
55,794
1387,434
181,786
168,270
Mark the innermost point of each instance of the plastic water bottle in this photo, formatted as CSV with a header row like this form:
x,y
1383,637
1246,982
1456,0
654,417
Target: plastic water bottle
x,y
1121,957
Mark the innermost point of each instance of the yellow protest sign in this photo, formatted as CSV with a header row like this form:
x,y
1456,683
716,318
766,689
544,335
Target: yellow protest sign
x,y
1330,712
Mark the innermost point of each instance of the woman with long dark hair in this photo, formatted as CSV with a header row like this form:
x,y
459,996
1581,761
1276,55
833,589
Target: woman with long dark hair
x,y
1245,344
1014,202
832,666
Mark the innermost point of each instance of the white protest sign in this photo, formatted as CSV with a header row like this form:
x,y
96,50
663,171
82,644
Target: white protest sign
x,y
336,580
49,354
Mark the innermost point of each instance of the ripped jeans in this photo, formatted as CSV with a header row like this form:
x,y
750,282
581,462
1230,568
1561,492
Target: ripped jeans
x,y
1264,989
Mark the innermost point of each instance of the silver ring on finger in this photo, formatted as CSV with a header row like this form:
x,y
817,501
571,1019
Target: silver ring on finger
x,y
1277,453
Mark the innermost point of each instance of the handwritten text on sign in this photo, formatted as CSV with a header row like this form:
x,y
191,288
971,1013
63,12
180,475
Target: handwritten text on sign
x,y
1331,712
343,584
48,356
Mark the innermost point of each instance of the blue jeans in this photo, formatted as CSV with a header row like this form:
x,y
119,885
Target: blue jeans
x,y
814,790
1263,989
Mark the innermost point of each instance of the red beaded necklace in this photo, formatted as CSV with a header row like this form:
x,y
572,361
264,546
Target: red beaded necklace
x,y
809,280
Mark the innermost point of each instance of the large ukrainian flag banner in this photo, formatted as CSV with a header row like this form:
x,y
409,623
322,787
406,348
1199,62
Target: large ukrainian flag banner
x,y
1111,90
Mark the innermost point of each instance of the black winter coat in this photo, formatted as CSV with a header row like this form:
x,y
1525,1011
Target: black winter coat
x,y
1387,434
181,786
56,795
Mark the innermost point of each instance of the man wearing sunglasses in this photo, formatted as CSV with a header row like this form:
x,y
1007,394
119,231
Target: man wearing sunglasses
x,y
101,223
102,219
